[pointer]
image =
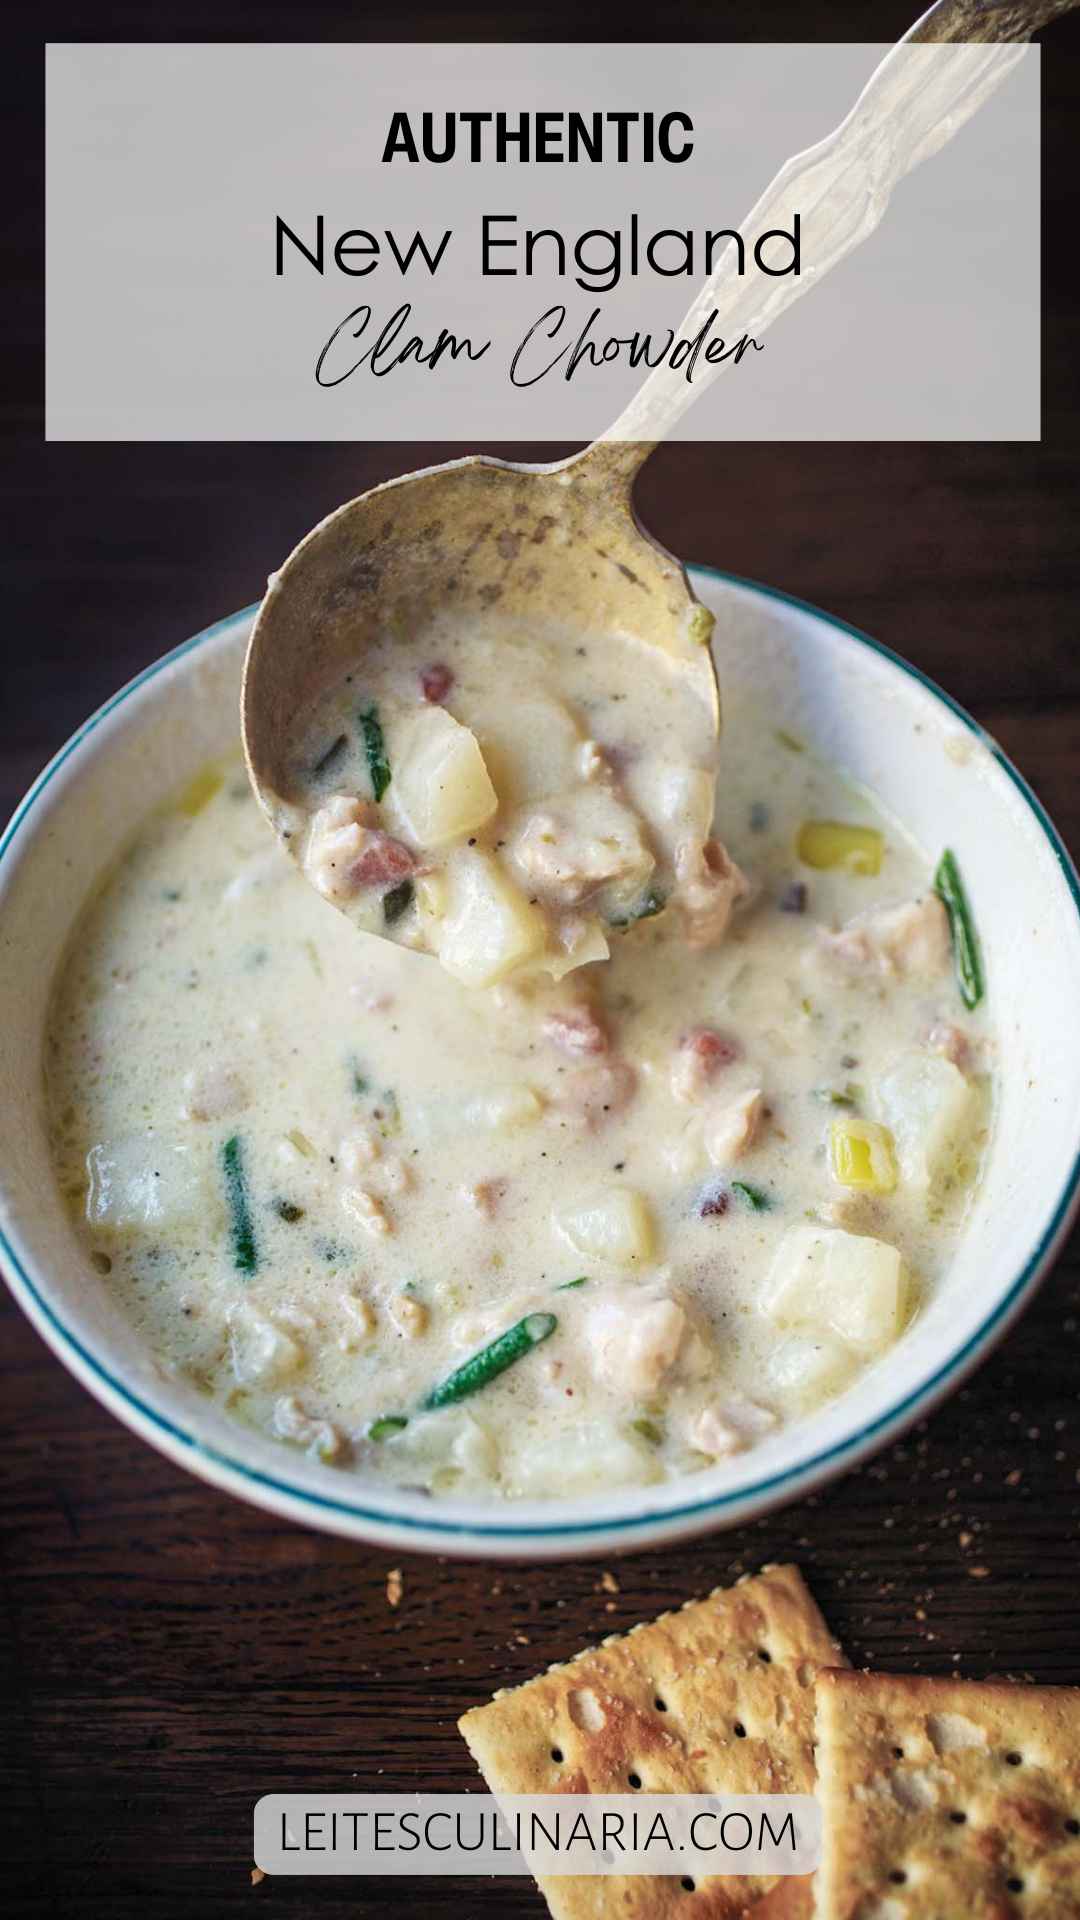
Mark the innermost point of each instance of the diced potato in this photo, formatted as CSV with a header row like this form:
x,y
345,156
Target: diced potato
x,y
489,928
502,1109
588,945
441,788
861,1155
808,1368
825,1280
261,1352
931,1109
577,1459
140,1181
452,1449
831,843
612,1224
432,895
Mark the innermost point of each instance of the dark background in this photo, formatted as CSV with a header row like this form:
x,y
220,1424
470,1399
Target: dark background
x,y
167,1654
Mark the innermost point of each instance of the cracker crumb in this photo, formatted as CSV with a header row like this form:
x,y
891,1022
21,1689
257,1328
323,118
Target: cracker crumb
x,y
395,1587
257,1876
1014,1478
608,1583
978,1573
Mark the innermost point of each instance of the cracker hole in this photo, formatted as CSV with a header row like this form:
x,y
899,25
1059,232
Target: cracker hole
x,y
635,1780
660,1705
898,1877
898,1753
1072,1826
687,1884
1014,1759
958,1819
739,1730
764,1654
1014,1885
557,1754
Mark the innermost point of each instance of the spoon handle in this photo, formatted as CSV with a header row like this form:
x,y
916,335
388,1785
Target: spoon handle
x,y
907,112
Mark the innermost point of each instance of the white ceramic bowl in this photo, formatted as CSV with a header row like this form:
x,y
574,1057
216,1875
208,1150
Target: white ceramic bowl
x,y
854,702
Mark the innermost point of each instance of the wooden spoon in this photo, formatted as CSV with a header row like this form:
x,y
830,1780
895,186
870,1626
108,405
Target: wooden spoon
x,y
562,540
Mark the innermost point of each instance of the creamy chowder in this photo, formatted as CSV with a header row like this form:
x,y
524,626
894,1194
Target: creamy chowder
x,y
546,1236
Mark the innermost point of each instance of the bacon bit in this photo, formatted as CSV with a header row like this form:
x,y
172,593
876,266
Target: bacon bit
x,y
436,681
576,1030
384,862
395,1587
485,1196
701,1054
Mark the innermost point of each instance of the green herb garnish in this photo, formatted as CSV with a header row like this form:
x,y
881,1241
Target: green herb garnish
x,y
375,748
848,1096
649,1431
755,1198
568,1286
245,1254
492,1360
385,1425
650,903
965,944
397,902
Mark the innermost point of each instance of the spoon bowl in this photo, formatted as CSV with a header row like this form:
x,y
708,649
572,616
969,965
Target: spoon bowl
x,y
543,543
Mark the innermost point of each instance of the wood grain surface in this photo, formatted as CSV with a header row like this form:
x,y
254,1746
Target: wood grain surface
x,y
168,1655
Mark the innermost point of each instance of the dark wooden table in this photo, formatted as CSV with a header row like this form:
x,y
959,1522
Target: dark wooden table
x,y
168,1655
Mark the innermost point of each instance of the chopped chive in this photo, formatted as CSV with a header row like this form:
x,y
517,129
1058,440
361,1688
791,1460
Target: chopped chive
x,y
385,1425
375,748
759,817
359,1080
288,1211
848,1096
650,903
965,944
492,1360
332,757
567,1286
755,1198
397,902
245,1255
788,740
649,1431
